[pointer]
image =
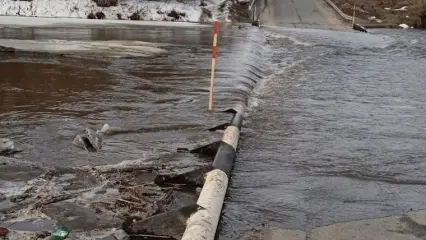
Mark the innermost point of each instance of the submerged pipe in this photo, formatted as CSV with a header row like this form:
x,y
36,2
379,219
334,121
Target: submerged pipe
x,y
222,151
203,217
203,223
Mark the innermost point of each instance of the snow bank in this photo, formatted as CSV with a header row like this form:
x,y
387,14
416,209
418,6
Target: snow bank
x,y
160,10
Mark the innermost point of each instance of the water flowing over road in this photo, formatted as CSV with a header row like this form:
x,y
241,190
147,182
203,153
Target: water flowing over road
x,y
334,130
336,134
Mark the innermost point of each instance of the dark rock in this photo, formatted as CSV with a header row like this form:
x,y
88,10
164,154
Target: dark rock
x,y
100,15
243,3
173,14
135,16
119,16
206,15
77,217
203,4
222,6
192,178
91,16
106,3
170,224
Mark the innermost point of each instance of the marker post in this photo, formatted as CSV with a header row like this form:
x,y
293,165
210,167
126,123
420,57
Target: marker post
x,y
214,53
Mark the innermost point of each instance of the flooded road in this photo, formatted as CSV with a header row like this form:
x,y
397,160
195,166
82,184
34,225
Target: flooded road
x,y
154,85
336,134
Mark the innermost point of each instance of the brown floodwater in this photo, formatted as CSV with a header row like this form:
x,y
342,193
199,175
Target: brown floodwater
x,y
152,81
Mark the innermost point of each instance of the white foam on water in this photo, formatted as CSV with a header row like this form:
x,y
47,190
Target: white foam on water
x,y
262,87
290,38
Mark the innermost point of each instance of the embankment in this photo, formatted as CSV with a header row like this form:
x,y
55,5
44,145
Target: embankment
x,y
389,14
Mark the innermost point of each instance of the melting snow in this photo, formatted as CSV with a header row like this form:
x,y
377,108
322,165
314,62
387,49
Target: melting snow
x,y
404,25
404,8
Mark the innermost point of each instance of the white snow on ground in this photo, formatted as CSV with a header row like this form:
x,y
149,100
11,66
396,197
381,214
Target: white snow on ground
x,y
404,8
190,10
404,25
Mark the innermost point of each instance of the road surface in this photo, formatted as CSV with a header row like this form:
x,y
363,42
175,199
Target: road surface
x,y
297,13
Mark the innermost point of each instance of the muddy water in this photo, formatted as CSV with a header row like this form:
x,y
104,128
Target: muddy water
x,y
151,82
336,134
161,98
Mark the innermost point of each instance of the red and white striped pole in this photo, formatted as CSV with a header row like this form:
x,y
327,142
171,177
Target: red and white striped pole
x,y
214,53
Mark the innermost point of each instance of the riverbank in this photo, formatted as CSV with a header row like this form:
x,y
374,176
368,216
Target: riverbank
x,y
386,14
163,10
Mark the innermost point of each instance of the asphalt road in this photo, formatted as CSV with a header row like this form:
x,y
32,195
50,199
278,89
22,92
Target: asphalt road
x,y
298,14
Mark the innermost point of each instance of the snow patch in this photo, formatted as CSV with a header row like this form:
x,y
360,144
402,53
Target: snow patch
x,y
404,8
405,26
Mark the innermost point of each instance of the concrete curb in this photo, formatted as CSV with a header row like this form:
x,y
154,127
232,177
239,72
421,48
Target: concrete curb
x,y
342,14
203,223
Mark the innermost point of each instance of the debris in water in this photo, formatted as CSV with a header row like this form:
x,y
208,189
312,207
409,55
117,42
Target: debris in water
x,y
92,142
7,146
60,233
